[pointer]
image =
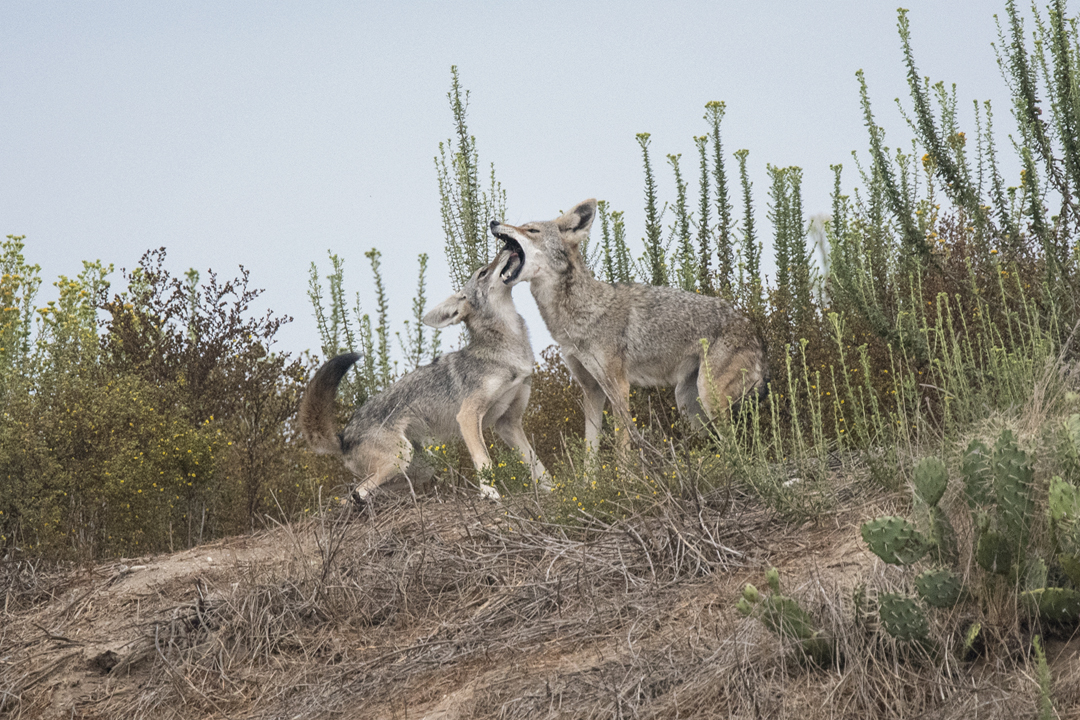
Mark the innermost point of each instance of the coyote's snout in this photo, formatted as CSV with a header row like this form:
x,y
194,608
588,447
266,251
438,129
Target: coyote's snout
x,y
615,336
458,395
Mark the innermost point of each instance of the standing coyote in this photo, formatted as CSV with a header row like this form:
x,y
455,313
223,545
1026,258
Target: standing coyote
x,y
615,336
458,395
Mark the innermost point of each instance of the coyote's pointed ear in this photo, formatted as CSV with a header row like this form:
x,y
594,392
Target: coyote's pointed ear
x,y
450,311
575,224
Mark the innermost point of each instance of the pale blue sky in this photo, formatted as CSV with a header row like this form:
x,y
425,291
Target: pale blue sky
x,y
264,134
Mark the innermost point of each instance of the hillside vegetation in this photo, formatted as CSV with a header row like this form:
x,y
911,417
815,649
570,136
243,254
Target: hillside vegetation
x,y
893,532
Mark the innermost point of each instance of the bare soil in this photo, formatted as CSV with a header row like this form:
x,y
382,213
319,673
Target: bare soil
x,y
448,608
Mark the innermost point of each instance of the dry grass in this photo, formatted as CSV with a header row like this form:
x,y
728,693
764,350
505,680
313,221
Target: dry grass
x,y
443,607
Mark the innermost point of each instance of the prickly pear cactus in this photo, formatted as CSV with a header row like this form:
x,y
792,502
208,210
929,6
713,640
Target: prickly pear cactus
x,y
1072,431
972,638
977,468
1064,502
931,479
1036,574
785,617
1059,605
941,536
750,597
772,576
894,540
998,486
940,588
995,553
1069,448
1070,566
779,613
1013,476
902,617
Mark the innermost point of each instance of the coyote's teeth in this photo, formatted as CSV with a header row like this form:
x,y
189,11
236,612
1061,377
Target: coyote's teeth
x,y
512,268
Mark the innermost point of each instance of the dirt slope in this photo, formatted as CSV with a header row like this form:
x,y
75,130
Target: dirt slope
x,y
445,608
75,643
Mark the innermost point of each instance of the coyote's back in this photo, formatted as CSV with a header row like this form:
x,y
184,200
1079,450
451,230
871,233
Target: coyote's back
x,y
615,336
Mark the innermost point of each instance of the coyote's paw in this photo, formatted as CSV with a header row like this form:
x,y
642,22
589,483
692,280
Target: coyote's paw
x,y
359,497
488,492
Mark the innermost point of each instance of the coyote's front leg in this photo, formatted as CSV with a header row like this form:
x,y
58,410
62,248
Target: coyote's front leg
x,y
471,418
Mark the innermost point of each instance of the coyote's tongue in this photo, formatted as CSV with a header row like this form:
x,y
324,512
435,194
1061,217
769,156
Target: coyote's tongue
x,y
511,268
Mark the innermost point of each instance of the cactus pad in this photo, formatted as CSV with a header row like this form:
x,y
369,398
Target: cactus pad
x,y
1070,447
942,537
972,640
1064,501
783,616
931,479
779,613
940,588
1036,574
772,576
902,617
978,473
1070,565
1013,475
894,540
1054,604
1072,430
745,607
994,553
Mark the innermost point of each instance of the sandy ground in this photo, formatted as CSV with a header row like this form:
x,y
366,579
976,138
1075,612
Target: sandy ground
x,y
443,610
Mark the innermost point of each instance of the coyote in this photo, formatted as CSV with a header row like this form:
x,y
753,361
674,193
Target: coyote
x,y
615,336
458,395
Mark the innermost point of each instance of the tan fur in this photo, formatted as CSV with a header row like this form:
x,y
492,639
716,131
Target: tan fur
x,y
486,384
613,337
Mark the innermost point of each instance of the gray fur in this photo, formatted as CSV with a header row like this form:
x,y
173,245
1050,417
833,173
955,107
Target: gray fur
x,y
486,384
615,336
317,406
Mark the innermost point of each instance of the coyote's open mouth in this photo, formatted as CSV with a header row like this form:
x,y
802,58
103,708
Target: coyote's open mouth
x,y
513,266
516,262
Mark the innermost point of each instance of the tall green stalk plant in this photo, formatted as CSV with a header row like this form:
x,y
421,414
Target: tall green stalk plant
x,y
466,208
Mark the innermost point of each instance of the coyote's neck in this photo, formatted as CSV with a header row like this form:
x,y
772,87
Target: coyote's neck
x,y
502,334
567,300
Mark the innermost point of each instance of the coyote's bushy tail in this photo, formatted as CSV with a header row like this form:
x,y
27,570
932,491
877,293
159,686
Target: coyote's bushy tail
x,y
317,407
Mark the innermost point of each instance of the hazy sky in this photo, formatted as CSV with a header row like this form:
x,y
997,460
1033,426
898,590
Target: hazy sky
x,y
265,134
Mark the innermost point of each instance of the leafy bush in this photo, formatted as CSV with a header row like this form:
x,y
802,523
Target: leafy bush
x,y
104,465
163,426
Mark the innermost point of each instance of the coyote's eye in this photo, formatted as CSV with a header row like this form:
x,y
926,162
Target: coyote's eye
x,y
482,273
534,231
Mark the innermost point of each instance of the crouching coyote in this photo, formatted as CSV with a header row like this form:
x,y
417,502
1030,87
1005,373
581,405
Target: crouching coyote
x,y
457,396
615,336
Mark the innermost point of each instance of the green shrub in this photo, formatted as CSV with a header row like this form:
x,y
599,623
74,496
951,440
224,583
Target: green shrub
x,y
102,466
163,426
